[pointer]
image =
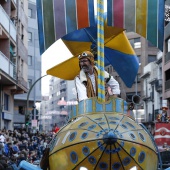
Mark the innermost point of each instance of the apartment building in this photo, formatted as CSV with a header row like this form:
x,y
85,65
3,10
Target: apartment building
x,y
146,53
152,87
62,96
34,69
13,57
166,63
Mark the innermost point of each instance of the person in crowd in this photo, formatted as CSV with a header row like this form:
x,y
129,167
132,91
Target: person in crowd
x,y
8,149
2,137
86,82
19,145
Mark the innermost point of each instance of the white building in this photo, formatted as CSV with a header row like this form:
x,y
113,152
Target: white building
x,y
152,87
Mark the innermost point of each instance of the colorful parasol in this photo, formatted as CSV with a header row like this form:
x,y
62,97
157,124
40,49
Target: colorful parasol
x,y
124,60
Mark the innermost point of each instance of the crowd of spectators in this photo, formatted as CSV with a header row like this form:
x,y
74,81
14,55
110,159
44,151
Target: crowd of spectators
x,y
19,145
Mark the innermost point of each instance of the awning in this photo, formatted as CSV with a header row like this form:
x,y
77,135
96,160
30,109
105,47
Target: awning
x,y
62,103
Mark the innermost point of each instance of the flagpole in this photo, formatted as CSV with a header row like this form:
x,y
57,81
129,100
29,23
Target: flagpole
x,y
100,49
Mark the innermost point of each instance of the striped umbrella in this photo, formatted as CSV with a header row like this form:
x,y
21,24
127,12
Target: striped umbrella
x,y
124,60
57,18
145,17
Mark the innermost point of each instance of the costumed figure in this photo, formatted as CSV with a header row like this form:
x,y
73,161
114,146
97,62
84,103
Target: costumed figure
x,y
86,82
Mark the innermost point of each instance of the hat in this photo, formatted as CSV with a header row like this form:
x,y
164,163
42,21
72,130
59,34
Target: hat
x,y
87,54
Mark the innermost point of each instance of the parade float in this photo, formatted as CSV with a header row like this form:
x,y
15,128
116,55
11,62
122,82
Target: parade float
x,y
100,134
162,135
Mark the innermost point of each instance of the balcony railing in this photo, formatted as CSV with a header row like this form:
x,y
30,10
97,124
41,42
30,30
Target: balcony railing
x,y
8,25
13,31
167,57
167,85
4,19
7,66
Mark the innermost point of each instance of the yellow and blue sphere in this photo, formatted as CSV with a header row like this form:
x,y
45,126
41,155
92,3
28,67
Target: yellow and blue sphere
x,y
102,136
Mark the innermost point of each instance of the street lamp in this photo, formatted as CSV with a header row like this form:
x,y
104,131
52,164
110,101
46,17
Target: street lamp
x,y
29,95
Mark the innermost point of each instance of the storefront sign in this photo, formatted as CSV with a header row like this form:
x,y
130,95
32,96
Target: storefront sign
x,y
34,123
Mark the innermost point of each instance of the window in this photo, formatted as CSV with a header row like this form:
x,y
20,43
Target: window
x,y
22,67
151,58
136,40
108,69
139,59
29,36
63,90
135,43
29,12
30,60
6,102
22,31
63,82
29,83
167,45
167,75
58,93
138,79
130,95
21,110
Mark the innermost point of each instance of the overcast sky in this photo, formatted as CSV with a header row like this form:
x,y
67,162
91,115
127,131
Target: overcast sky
x,y
54,55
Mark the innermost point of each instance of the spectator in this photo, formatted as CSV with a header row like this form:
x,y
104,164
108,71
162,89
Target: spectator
x,y
2,138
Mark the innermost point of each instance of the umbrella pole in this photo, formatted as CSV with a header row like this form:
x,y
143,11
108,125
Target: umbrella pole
x,y
100,49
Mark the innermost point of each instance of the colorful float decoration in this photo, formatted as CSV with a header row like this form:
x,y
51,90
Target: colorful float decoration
x,y
100,135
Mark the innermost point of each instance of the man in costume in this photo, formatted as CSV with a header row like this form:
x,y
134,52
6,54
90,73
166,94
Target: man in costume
x,y
86,82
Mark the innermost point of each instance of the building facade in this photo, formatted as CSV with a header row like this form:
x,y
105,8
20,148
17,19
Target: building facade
x,y
152,88
34,70
166,63
62,96
13,57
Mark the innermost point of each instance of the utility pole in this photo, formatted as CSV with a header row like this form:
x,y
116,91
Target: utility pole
x,y
34,79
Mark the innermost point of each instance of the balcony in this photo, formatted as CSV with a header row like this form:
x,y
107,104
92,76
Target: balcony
x,y
4,19
167,85
167,57
7,24
7,66
13,32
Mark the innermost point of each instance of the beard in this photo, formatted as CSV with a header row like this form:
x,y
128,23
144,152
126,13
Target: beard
x,y
86,69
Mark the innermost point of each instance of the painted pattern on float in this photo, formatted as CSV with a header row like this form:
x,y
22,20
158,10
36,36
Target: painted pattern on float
x,y
102,136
